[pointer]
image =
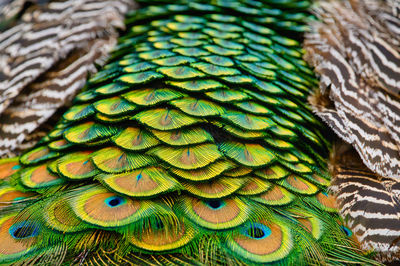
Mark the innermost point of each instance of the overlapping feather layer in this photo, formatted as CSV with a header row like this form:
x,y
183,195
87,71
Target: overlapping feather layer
x,y
194,144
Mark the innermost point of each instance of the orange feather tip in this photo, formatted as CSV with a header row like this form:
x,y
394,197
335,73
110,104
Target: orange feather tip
x,y
8,167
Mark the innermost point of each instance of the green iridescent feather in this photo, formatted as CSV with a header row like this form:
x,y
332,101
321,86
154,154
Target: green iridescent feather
x,y
194,144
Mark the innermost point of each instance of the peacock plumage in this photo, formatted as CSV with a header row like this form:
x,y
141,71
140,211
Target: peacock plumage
x,y
193,145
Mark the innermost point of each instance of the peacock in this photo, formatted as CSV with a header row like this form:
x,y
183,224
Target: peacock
x,y
194,144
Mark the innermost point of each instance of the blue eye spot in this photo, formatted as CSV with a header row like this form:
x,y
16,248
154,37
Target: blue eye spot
x,y
346,230
24,230
257,231
215,204
16,167
114,201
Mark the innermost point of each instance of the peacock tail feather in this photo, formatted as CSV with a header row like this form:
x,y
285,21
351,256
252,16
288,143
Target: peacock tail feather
x,y
193,145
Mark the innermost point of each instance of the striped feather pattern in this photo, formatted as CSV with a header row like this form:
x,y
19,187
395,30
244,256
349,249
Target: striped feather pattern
x,y
35,136
11,9
46,58
369,203
354,51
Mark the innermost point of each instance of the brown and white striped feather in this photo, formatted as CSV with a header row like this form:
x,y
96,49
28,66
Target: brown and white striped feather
x,y
355,51
360,70
10,10
44,37
34,137
42,98
369,204
45,60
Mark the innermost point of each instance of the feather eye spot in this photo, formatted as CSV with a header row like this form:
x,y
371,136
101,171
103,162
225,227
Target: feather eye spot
x,y
139,176
114,201
257,231
215,204
24,230
16,167
209,213
346,230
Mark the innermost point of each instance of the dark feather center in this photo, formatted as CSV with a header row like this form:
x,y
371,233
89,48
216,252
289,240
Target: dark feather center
x,y
114,201
24,230
214,204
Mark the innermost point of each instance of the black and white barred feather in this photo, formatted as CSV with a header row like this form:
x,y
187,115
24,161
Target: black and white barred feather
x,y
45,60
10,10
369,203
355,48
359,67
